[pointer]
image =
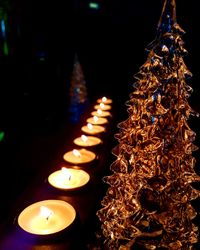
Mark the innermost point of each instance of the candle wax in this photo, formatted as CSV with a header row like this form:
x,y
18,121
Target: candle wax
x,y
91,141
107,101
99,121
78,178
102,114
85,156
105,107
96,129
32,221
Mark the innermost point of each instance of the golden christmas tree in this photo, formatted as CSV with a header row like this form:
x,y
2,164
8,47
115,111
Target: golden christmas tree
x,y
148,201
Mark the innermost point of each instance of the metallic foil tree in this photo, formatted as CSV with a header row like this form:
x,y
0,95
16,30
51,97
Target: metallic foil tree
x,y
78,91
148,201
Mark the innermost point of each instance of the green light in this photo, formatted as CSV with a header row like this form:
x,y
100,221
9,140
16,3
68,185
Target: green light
x,y
94,5
5,48
2,134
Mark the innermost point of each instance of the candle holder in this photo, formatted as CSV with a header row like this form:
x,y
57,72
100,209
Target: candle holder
x,y
47,217
101,113
93,129
95,120
68,179
87,141
104,100
79,156
102,106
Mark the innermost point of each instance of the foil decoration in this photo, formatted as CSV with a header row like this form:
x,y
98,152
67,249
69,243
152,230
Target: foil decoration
x,y
148,201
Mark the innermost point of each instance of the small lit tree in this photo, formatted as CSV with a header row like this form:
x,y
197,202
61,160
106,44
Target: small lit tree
x,y
78,92
148,201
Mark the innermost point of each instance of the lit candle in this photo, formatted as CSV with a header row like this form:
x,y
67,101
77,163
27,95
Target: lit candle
x,y
102,106
46,217
101,113
97,120
68,178
93,129
65,175
79,156
87,141
76,153
90,126
104,100
46,213
84,138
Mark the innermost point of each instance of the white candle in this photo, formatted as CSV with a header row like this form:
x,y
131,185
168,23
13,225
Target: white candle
x,y
68,178
87,141
93,129
102,106
97,120
81,156
101,113
46,217
104,100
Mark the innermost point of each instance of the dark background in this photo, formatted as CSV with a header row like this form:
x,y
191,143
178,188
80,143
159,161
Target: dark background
x,y
43,37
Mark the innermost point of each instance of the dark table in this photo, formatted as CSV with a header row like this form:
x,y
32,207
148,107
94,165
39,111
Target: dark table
x,y
86,200
81,235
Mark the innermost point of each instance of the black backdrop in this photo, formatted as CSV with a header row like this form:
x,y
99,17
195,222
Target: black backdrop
x,y
43,37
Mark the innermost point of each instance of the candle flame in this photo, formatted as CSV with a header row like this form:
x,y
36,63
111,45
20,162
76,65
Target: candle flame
x,y
95,118
90,126
102,105
84,138
99,111
66,173
104,99
45,212
76,153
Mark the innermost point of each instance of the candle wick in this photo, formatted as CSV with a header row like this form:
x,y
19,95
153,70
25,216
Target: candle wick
x,y
70,177
47,218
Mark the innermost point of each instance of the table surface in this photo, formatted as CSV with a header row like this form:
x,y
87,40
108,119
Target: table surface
x,y
86,200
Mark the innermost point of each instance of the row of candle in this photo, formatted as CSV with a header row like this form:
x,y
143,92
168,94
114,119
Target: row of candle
x,y
51,216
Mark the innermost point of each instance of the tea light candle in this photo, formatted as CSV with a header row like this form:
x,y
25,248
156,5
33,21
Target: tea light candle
x,y
46,217
79,156
101,113
104,100
102,106
87,141
97,120
93,129
68,178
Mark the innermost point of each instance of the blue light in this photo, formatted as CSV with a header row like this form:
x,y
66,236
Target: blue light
x,y
3,28
41,55
153,119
